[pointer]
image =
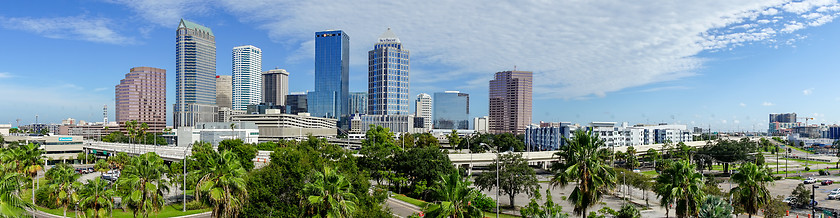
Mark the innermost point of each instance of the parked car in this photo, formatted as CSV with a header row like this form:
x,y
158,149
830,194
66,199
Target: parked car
x,y
834,196
809,180
826,182
788,199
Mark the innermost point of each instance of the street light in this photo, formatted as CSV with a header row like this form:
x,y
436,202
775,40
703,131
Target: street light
x,y
184,177
624,193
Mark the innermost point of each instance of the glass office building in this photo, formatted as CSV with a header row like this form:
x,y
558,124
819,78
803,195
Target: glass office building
x,y
195,74
451,110
358,102
388,76
247,76
332,59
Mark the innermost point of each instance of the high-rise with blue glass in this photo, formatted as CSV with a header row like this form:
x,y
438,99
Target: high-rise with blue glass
x,y
451,110
195,74
388,67
332,59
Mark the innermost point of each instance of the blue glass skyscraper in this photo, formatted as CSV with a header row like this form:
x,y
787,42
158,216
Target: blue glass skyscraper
x,y
388,76
332,59
451,110
195,74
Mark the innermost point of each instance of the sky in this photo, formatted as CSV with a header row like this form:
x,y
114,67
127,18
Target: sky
x,y
716,63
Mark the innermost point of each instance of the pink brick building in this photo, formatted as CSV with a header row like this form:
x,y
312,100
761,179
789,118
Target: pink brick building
x,y
141,96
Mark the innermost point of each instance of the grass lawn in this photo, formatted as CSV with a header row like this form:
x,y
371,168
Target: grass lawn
x,y
796,171
423,204
167,211
805,161
799,149
650,173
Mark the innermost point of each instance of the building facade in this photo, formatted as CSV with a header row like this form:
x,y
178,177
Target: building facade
x,y
550,136
141,96
358,102
423,108
481,125
783,118
388,69
195,74
247,76
332,59
510,102
275,86
275,125
360,124
224,91
296,103
451,110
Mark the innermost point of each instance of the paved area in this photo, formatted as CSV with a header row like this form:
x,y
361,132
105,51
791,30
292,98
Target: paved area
x,y
401,208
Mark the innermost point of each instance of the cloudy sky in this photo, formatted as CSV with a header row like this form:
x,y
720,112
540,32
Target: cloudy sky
x,y
719,63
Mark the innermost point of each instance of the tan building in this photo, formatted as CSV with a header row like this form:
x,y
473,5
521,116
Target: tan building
x,y
56,147
224,91
141,96
510,102
275,125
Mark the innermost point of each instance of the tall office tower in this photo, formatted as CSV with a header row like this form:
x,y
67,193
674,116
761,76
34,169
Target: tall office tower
x,y
358,102
510,102
141,96
195,74
247,78
105,114
296,103
423,108
275,86
452,110
224,91
388,76
783,118
332,59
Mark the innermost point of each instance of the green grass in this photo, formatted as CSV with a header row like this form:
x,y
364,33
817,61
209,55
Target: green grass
x,y
423,204
173,210
805,161
650,173
796,171
799,149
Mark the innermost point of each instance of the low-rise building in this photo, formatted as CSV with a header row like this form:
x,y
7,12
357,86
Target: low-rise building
x,y
215,132
360,123
275,125
56,147
550,136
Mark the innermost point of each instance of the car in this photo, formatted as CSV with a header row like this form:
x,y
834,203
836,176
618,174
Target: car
x,y
788,199
826,182
834,196
809,180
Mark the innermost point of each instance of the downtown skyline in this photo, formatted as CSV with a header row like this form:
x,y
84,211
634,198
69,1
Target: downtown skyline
x,y
729,86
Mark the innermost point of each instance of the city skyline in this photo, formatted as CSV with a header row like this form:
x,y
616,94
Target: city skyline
x,y
728,78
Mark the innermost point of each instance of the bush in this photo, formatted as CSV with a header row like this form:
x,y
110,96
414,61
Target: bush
x,y
484,202
822,172
195,205
42,198
807,169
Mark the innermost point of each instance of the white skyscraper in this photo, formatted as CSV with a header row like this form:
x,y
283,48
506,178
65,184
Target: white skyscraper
x,y
423,108
247,76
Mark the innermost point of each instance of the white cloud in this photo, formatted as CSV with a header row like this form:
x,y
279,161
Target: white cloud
x,y
4,75
742,104
723,121
80,27
575,48
808,91
767,104
736,121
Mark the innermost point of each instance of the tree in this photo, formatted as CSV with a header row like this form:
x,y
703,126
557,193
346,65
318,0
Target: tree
x,y
329,194
10,203
682,185
142,132
63,185
581,162
96,198
775,208
245,153
453,139
801,196
514,176
751,193
714,207
547,210
377,147
628,211
406,141
224,184
508,142
131,127
729,151
101,166
456,196
143,184
422,164
427,140
120,160
30,161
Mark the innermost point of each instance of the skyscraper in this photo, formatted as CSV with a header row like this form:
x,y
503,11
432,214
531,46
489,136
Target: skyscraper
x,y
423,109
388,67
141,96
510,102
275,86
451,110
332,59
195,74
358,102
296,103
247,78
224,91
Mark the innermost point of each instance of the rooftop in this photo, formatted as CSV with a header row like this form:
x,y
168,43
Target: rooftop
x,y
190,25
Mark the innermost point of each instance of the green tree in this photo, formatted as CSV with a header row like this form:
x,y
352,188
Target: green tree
x,y
11,204
377,148
682,185
101,166
628,211
329,194
548,210
142,132
514,176
581,162
63,185
801,196
427,140
456,196
714,207
406,141
422,164
132,128
775,208
752,193
453,139
508,142
245,153
30,163
120,160
96,199
143,184
224,184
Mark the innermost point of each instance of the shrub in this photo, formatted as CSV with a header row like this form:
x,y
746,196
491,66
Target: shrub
x,y
195,205
42,198
822,172
484,202
807,168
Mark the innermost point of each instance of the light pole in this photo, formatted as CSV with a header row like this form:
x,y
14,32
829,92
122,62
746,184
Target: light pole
x,y
470,151
497,183
624,177
184,177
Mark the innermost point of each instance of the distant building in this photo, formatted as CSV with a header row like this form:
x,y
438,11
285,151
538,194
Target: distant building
x,y
510,102
358,102
57,148
224,91
332,62
451,110
480,124
141,96
388,69
275,86
215,132
423,109
247,76
226,113
37,127
550,136
275,125
296,103
783,118
262,107
4,129
360,124
195,73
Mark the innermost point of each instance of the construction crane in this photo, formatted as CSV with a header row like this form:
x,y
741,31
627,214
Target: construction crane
x,y
806,119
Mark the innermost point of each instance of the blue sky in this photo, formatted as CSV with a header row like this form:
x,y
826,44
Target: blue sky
x,y
711,63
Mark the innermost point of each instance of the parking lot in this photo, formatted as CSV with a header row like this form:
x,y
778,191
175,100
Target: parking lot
x,y
785,187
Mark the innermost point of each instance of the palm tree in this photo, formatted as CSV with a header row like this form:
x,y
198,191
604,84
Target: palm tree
x,y
131,127
581,163
96,198
143,177
30,162
714,207
101,166
223,181
330,194
682,185
63,185
752,191
10,203
143,128
119,160
456,196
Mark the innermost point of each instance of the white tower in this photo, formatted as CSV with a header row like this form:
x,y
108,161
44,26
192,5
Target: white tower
x,y
423,108
105,114
247,76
